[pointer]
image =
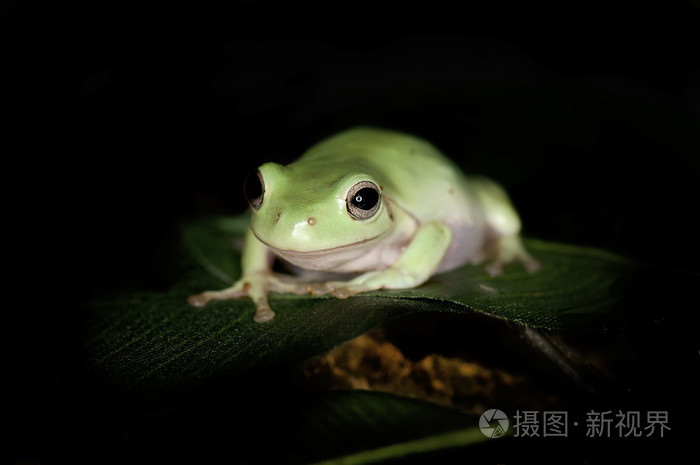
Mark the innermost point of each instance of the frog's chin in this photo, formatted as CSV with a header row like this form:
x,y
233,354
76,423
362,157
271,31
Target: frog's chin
x,y
347,258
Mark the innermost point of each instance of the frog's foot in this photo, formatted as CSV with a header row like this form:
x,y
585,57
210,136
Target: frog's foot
x,y
339,289
508,250
389,278
203,298
256,286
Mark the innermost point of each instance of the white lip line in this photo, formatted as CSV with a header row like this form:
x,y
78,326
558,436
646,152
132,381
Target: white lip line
x,y
386,201
319,252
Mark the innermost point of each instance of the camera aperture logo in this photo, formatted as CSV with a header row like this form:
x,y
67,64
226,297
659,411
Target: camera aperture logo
x,y
494,423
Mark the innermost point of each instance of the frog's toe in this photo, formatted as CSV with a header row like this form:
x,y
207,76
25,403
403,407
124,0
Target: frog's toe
x,y
339,289
531,264
263,314
510,250
318,288
344,292
494,268
199,300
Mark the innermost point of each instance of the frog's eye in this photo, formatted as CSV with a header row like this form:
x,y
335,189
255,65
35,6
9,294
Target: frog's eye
x,y
254,189
363,200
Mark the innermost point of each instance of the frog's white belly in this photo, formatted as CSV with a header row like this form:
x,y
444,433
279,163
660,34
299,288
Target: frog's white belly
x,y
468,241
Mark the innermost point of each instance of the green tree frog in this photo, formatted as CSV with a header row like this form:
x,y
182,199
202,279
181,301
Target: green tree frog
x,y
385,207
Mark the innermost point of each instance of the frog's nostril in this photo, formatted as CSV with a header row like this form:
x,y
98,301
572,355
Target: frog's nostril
x,y
277,217
311,221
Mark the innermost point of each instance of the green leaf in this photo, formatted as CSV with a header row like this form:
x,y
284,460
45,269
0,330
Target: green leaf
x,y
153,341
576,288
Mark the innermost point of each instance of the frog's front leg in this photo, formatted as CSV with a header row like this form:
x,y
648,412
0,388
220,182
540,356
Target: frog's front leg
x,y
256,285
416,265
256,282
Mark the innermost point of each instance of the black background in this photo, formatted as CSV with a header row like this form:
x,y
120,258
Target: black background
x,y
124,119
133,117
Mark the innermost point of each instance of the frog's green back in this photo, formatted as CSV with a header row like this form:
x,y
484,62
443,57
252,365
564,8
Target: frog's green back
x,y
375,144
408,167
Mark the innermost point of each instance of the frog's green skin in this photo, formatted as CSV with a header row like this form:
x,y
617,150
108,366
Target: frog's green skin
x,y
430,218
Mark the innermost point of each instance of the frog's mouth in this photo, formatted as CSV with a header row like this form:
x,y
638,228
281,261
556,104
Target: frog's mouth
x,y
345,258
